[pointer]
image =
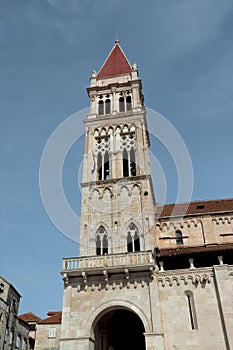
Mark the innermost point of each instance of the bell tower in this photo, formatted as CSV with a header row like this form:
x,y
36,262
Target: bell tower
x,y
110,293
117,193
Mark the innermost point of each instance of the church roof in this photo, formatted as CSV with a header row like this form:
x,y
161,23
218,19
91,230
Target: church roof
x,y
29,317
115,64
194,250
54,317
195,208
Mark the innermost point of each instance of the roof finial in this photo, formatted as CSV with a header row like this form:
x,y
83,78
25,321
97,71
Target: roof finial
x,y
117,40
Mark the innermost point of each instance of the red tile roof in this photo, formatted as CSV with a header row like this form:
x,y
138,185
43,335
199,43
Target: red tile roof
x,y
29,317
54,318
115,64
197,208
192,250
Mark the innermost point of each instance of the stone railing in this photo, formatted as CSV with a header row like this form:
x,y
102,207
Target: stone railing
x,y
108,261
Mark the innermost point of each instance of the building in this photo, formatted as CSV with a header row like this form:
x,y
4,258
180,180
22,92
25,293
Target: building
x,y
15,331
147,277
31,319
48,332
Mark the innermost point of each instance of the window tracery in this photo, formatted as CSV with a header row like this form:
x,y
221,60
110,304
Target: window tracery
x,y
104,104
101,241
128,148
125,101
102,150
133,240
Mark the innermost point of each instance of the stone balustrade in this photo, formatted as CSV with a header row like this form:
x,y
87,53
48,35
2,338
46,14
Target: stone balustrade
x,y
110,261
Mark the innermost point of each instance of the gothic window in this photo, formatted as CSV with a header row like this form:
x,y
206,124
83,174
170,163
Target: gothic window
x,y
107,106
179,238
101,107
104,104
128,103
121,104
132,163
191,309
106,166
128,154
99,166
18,342
125,101
101,241
133,240
125,164
103,161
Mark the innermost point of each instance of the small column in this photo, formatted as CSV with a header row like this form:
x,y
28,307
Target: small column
x,y
114,100
191,264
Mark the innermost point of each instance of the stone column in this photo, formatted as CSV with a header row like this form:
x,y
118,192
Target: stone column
x,y
114,101
154,339
225,302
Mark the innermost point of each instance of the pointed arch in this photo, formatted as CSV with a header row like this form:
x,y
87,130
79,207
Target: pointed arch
x,y
128,103
101,241
133,239
125,163
99,165
95,192
121,104
107,106
179,237
132,164
101,107
106,166
107,190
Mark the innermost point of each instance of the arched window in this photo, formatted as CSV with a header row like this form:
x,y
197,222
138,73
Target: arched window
x,y
133,240
18,342
179,238
121,104
101,107
191,309
125,164
128,103
101,241
106,166
99,166
132,163
107,106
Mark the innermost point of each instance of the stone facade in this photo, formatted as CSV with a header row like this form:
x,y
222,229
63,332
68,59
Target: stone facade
x,y
48,332
14,332
147,277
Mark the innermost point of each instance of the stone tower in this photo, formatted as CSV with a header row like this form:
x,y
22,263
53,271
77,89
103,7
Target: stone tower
x,y
110,298
144,280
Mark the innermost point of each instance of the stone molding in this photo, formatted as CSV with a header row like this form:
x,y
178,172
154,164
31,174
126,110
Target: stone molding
x,y
169,279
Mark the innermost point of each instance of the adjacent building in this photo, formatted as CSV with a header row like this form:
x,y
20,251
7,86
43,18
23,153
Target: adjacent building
x,y
48,332
15,331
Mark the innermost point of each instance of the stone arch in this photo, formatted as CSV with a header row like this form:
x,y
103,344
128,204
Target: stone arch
x,y
101,223
107,190
136,187
124,187
104,308
95,192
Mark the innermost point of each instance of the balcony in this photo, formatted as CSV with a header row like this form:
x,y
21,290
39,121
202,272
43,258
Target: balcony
x,y
113,263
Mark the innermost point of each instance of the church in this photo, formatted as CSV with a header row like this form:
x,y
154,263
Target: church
x,y
148,276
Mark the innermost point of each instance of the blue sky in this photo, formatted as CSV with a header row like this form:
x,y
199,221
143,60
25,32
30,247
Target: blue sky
x,y
48,50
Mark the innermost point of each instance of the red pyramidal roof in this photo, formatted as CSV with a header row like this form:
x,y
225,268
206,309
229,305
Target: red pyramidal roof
x,y
115,64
